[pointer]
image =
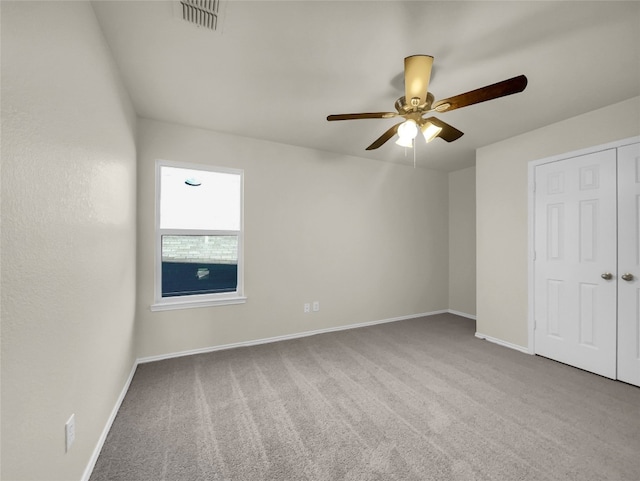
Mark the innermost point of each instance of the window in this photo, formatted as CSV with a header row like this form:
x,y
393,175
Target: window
x,y
198,236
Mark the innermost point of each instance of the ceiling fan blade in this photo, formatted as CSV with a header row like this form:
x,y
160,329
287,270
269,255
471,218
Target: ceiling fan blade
x,y
417,72
490,92
370,115
448,132
384,137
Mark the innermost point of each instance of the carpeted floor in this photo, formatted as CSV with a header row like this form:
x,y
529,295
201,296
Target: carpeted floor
x,y
421,399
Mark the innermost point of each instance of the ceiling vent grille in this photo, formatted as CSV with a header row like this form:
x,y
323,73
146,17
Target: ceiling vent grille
x,y
203,13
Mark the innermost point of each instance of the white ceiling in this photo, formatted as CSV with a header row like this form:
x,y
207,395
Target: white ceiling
x,y
277,69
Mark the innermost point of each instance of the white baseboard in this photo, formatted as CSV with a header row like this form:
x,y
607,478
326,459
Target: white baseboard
x,y
503,343
103,437
462,314
285,337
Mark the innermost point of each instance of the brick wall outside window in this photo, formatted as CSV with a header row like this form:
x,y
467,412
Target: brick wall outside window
x,y
200,249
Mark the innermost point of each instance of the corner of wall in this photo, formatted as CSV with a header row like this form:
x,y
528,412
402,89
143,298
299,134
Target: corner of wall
x,y
462,241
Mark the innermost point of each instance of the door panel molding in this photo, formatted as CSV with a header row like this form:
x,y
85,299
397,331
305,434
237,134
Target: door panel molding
x,y
589,179
575,308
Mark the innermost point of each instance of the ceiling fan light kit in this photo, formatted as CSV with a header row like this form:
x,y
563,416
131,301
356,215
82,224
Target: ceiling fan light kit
x,y
417,73
430,131
406,142
408,130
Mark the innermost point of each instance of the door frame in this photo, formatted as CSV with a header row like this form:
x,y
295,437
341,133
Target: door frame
x,y
531,166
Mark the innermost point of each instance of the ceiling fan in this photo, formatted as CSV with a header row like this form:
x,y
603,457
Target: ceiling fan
x,y
418,101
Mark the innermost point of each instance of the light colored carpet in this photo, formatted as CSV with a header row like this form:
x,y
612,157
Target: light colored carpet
x,y
421,399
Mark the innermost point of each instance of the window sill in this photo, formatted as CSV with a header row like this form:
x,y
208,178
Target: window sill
x,y
189,304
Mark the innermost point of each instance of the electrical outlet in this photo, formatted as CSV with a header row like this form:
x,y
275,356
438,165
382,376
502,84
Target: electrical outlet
x,y
307,308
70,432
316,306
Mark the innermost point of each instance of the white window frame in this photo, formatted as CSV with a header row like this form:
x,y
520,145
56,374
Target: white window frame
x,y
196,300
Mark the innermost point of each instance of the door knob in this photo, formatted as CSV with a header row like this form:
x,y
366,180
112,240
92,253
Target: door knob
x,y
627,276
607,276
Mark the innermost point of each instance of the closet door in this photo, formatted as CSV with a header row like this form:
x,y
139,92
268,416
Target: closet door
x,y
575,261
629,264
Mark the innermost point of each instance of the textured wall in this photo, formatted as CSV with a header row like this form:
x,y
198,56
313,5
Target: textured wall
x,y
68,237
462,241
501,182
367,239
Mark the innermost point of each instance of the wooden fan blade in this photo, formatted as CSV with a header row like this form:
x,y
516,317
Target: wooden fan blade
x,y
370,115
417,72
448,132
384,137
490,92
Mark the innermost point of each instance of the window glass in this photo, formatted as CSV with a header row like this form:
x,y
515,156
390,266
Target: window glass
x,y
199,199
200,264
199,236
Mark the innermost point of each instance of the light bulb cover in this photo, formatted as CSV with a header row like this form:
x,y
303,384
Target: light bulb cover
x,y
405,142
193,182
408,130
430,131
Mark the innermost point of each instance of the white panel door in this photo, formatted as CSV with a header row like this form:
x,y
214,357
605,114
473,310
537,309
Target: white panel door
x,y
629,264
575,245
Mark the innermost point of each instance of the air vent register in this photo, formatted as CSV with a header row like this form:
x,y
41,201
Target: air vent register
x,y
204,13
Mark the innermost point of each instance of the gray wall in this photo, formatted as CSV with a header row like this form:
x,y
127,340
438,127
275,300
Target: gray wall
x,y
462,241
68,237
367,239
502,238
